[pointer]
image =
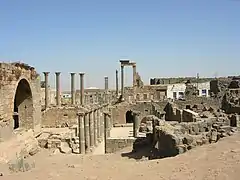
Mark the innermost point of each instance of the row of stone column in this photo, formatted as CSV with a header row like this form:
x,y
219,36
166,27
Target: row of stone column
x,y
73,89
58,94
93,126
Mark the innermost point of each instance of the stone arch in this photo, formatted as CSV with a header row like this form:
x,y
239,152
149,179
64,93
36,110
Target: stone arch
x,y
129,116
23,105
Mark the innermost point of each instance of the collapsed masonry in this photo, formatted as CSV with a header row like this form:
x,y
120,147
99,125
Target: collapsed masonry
x,y
172,138
181,129
227,91
79,136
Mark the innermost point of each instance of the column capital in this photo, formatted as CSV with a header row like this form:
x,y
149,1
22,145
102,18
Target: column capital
x,y
81,73
46,73
72,73
106,113
136,113
57,73
80,113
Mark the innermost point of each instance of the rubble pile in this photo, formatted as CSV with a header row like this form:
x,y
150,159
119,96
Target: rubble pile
x,y
65,142
176,139
170,138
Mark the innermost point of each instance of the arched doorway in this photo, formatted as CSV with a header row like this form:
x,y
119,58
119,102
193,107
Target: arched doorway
x,y
129,117
23,106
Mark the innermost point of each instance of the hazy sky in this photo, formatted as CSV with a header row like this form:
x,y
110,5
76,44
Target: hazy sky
x,y
165,37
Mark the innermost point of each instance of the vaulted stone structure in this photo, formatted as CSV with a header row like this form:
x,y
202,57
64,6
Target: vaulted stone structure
x,y
20,106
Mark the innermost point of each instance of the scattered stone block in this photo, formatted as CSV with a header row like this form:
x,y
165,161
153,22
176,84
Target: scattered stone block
x,y
64,148
43,140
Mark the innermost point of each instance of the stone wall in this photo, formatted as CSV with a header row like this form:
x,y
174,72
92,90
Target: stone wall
x,y
188,116
173,139
113,145
51,98
59,117
19,83
119,111
145,93
215,103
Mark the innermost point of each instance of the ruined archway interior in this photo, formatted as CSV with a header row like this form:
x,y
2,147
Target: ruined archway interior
x,y
129,117
23,106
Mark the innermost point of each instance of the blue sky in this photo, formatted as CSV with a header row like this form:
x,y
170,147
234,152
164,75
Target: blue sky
x,y
166,38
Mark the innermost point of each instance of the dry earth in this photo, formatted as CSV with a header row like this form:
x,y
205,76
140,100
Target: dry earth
x,y
220,161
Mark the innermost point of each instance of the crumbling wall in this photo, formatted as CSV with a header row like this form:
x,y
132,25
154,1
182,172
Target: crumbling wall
x,y
191,91
172,112
119,111
139,82
231,98
59,117
146,93
219,86
11,75
115,144
173,138
176,139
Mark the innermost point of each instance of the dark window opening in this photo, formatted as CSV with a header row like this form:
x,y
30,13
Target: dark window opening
x,y
233,121
129,117
174,95
144,96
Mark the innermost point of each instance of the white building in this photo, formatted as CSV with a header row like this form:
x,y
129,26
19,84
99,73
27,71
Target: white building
x,y
176,91
203,88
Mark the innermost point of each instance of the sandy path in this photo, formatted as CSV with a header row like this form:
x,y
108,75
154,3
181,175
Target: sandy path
x,y
220,161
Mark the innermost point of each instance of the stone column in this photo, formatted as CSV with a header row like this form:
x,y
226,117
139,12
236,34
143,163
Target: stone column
x,y
95,127
135,123
154,131
81,133
46,89
122,80
73,97
117,83
81,88
106,129
106,83
237,119
107,124
58,97
91,129
98,126
134,74
86,132
101,123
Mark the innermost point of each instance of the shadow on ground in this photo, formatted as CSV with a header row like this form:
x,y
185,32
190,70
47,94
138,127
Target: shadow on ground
x,y
144,147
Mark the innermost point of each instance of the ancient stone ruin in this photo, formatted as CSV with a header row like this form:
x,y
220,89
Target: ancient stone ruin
x,y
149,118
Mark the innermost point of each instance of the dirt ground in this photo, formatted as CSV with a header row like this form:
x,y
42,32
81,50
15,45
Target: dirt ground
x,y
220,161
